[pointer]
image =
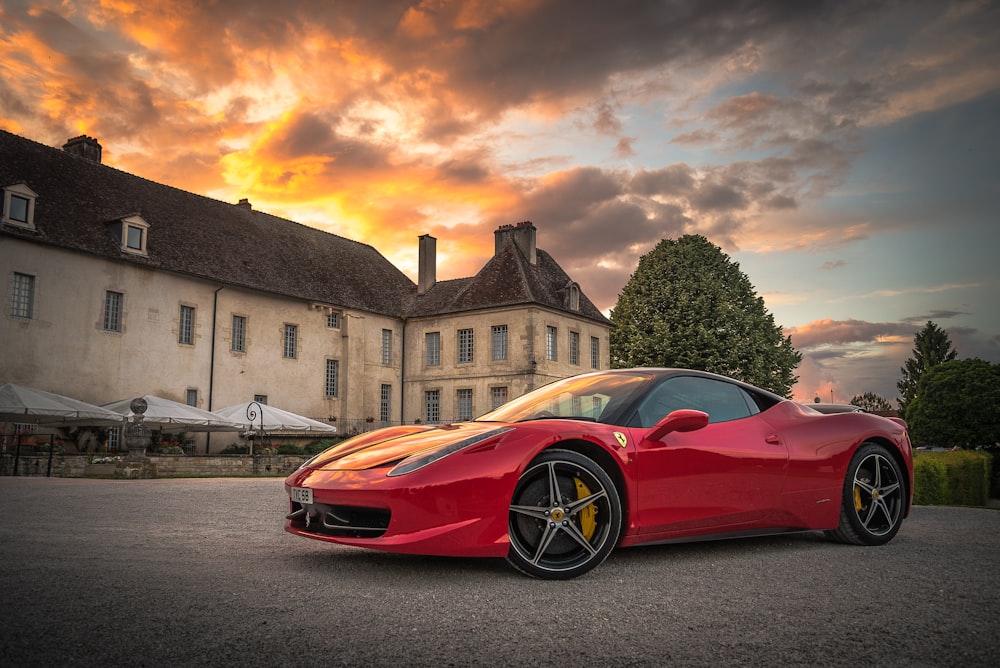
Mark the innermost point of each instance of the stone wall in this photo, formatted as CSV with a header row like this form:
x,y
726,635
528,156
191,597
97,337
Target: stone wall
x,y
158,466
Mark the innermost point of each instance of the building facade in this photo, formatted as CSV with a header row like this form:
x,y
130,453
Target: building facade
x,y
118,287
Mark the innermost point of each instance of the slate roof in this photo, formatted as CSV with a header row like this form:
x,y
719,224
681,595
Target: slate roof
x,y
508,279
79,201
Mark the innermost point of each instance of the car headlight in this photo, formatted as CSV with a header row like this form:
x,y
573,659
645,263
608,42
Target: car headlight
x,y
425,457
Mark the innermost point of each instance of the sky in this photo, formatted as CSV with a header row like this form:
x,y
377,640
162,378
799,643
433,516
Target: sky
x,y
845,154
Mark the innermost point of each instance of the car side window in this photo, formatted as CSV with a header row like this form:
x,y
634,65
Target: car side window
x,y
721,400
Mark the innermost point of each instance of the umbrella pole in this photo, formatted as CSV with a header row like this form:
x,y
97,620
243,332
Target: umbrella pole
x,y
17,449
52,446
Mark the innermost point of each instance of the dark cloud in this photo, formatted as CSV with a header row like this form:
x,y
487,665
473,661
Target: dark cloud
x,y
839,332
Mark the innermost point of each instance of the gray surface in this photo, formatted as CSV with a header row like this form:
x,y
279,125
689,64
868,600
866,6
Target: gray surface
x,y
199,572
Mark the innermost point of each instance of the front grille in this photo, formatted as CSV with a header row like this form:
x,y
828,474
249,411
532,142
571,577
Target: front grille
x,y
343,521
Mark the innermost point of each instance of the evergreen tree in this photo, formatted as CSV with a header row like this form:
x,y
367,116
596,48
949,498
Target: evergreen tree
x,y
931,346
871,402
957,403
688,305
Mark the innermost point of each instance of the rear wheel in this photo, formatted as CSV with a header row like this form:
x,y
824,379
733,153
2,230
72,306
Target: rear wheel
x,y
874,498
565,516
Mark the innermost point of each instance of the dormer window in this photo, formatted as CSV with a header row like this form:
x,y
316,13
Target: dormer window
x,y
133,237
574,296
19,206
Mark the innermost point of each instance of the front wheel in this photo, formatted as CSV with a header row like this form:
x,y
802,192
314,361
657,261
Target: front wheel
x,y
565,516
874,498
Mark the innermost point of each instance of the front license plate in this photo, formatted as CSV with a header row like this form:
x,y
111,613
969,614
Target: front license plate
x,y
302,495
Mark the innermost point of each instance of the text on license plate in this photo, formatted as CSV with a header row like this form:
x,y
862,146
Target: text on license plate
x,y
302,495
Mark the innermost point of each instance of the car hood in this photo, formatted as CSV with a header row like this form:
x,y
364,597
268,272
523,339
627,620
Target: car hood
x,y
387,446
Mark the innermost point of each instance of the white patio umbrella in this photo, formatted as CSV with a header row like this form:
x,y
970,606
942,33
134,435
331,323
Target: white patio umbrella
x,y
254,416
30,406
166,414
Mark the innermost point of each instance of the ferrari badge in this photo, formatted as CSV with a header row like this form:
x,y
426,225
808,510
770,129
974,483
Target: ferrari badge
x,y
621,439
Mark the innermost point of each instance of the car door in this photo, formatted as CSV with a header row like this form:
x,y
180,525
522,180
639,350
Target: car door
x,y
727,474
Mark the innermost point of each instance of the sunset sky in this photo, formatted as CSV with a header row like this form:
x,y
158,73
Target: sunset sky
x,y
845,154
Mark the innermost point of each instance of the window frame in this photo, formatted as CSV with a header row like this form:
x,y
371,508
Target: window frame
x,y
466,344
574,348
386,347
552,343
464,404
595,352
140,225
499,343
22,295
290,342
331,384
495,392
432,406
238,335
385,404
185,325
113,312
22,192
432,349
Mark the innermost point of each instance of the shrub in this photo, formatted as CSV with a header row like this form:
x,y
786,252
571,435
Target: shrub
x,y
234,449
317,447
930,481
289,449
955,477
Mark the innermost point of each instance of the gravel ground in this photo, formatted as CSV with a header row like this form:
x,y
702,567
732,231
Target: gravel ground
x,y
198,572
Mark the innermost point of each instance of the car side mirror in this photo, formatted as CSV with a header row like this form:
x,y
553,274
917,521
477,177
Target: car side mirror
x,y
684,419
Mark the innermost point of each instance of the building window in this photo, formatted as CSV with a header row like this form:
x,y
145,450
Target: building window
x,y
385,405
260,398
595,352
432,344
464,400
192,397
19,206
22,296
498,397
114,438
113,311
574,347
239,341
432,406
333,320
499,342
332,371
134,235
291,341
574,297
185,332
551,343
465,345
386,347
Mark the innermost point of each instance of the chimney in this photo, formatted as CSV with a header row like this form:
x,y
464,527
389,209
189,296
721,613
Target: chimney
x,y
522,234
85,147
244,204
427,276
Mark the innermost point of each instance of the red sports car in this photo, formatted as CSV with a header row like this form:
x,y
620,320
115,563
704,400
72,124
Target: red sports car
x,y
557,478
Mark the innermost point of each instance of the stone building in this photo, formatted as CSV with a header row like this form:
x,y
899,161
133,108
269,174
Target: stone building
x,y
118,286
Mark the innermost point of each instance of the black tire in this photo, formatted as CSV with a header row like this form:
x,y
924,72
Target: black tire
x,y
874,498
564,537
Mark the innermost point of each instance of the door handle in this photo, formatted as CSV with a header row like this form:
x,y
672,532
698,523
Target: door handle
x,y
772,439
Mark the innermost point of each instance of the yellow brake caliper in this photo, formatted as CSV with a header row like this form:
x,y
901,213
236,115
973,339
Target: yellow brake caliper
x,y
587,515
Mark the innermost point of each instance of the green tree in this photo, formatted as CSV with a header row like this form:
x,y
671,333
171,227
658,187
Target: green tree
x,y
871,402
931,346
688,305
957,403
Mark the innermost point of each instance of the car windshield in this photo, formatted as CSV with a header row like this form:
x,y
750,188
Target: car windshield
x,y
598,397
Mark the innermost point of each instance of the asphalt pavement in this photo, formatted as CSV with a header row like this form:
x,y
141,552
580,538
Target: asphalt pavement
x,y
198,572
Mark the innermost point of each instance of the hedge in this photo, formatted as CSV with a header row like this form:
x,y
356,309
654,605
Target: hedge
x,y
952,478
